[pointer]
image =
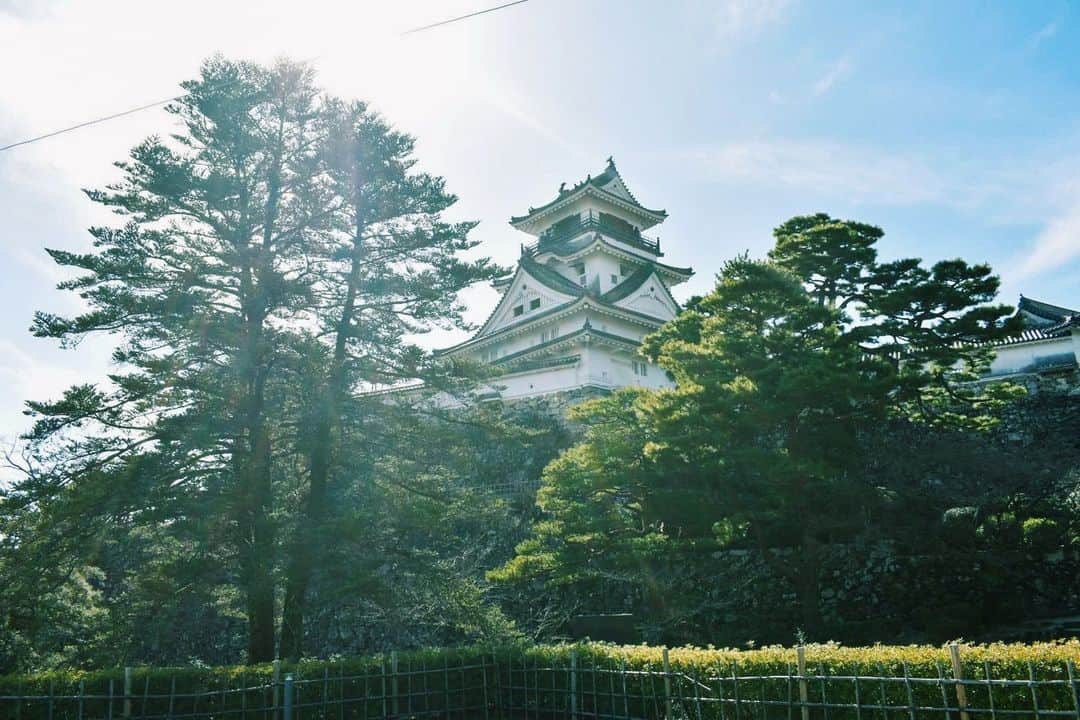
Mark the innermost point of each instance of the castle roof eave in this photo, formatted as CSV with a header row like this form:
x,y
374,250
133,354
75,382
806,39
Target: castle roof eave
x,y
529,221
587,331
583,302
568,252
1045,310
597,186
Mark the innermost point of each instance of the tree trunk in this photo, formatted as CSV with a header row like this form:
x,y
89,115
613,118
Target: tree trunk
x,y
808,586
803,572
302,557
256,537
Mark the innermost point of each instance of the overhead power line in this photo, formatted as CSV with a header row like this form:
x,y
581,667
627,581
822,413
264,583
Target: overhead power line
x,y
463,17
140,108
88,123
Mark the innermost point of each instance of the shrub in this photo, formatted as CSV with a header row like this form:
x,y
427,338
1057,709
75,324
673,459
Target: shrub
x,y
1042,535
610,680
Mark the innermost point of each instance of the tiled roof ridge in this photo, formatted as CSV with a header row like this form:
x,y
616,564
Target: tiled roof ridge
x,y
551,278
630,284
609,174
565,245
1045,310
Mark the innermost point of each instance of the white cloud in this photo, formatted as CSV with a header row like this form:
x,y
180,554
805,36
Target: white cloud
x,y
1057,244
748,17
26,8
826,168
836,72
26,377
1046,32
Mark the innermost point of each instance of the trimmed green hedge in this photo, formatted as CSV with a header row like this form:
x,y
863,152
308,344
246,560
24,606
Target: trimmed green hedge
x,y
608,681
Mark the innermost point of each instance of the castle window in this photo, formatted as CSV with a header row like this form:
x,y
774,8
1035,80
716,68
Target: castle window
x,y
614,279
534,303
518,310
640,368
624,269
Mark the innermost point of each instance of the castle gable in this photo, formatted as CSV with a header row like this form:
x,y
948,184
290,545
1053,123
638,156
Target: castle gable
x,y
645,293
528,295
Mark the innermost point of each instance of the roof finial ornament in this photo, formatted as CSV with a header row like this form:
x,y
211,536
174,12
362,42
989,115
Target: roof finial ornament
x,y
610,161
562,187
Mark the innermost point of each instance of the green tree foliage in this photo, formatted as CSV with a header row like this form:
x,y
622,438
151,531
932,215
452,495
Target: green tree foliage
x,y
778,371
280,255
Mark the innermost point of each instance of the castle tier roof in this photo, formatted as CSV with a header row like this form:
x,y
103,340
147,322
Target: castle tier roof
x,y
557,282
1042,321
1043,311
583,242
608,186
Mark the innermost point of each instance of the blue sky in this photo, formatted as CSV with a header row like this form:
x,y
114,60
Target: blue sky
x,y
955,126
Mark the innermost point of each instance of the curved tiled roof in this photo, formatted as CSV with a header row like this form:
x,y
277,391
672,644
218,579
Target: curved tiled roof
x,y
599,183
1044,310
553,279
586,240
629,285
586,329
564,285
1043,332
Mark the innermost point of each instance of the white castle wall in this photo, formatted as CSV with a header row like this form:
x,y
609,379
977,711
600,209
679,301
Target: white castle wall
x,y
1026,356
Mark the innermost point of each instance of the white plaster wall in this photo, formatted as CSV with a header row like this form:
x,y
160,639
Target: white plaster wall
x,y
541,382
1016,358
602,266
607,367
566,325
618,326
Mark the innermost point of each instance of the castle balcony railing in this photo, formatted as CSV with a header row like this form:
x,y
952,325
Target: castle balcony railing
x,y
574,226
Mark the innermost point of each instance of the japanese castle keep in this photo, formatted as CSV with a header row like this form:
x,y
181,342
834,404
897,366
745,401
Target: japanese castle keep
x,y
590,285
585,292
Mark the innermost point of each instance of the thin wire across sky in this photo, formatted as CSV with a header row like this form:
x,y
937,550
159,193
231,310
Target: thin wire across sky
x,y
157,103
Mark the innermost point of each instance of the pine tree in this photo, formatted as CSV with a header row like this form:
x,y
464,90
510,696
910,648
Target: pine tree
x,y
777,370
393,270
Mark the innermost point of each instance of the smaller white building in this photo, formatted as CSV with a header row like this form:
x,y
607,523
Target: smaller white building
x,y
584,294
1049,342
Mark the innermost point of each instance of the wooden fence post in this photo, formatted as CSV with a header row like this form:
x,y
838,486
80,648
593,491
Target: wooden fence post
x,y
127,693
394,682
1034,691
385,713
498,684
958,674
990,691
288,703
910,696
804,694
483,683
573,683
667,684
275,679
446,684
625,691
697,692
1072,686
